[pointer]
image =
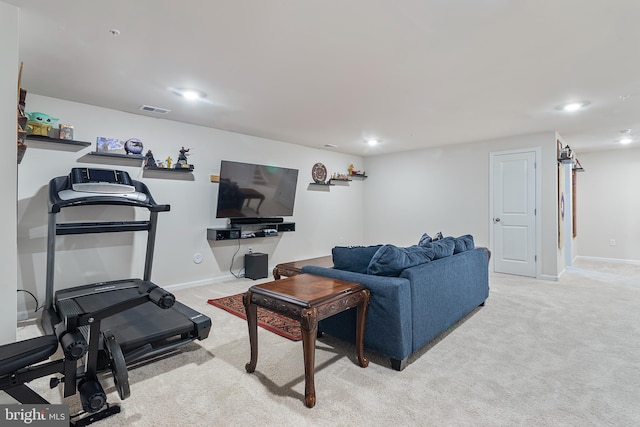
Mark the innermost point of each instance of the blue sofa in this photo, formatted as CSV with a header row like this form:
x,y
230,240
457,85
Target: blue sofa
x,y
409,310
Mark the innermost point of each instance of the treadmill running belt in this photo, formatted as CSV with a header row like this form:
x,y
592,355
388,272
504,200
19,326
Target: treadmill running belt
x,y
139,325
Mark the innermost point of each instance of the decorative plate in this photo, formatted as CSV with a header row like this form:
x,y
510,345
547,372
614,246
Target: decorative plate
x,y
319,173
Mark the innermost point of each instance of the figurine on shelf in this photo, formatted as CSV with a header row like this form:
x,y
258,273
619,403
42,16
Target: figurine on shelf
x,y
40,123
149,161
169,160
133,146
351,168
182,162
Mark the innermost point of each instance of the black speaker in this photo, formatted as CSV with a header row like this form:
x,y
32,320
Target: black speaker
x,y
256,266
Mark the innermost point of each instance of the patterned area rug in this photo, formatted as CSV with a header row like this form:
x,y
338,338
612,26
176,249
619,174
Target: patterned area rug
x,y
268,320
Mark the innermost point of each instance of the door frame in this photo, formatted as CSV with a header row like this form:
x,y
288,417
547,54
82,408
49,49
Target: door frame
x,y
538,220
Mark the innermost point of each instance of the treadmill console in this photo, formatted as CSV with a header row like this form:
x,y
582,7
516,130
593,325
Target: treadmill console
x,y
91,180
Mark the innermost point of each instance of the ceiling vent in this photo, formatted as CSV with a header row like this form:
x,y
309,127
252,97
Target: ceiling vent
x,y
157,110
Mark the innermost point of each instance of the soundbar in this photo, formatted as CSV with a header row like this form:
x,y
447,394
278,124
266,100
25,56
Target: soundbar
x,y
242,220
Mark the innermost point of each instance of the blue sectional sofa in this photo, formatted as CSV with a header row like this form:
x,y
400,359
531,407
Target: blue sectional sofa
x,y
416,294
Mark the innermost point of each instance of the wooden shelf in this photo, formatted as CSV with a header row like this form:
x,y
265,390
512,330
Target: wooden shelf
x,y
182,170
321,183
118,155
57,140
236,233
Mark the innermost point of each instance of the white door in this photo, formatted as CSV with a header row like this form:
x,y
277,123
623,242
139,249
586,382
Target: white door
x,y
514,213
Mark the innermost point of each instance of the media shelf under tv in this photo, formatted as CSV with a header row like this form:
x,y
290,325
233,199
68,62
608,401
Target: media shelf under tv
x,y
248,230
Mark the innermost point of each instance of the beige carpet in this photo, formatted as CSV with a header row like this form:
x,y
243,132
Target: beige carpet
x,y
539,353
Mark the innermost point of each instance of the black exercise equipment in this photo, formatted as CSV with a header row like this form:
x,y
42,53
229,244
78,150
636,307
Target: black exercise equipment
x,y
24,361
100,326
141,332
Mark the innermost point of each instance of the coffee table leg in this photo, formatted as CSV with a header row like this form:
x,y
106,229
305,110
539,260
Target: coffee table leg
x,y
309,326
276,273
252,321
361,321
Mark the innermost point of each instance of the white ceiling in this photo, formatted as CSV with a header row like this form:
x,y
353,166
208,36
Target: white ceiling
x,y
413,73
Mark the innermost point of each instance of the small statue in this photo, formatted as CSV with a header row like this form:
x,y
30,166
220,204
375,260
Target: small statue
x,y
182,159
40,123
169,160
149,161
351,168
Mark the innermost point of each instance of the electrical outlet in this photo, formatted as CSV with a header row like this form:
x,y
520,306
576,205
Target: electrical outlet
x,y
612,242
250,250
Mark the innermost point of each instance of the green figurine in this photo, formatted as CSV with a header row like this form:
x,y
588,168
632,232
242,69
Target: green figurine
x,y
40,123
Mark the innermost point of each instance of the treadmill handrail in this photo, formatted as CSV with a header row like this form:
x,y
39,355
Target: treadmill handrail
x,y
62,183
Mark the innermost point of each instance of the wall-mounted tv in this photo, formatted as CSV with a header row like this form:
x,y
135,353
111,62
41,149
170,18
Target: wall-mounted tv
x,y
247,190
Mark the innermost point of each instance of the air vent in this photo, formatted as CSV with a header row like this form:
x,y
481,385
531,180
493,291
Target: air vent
x,y
157,110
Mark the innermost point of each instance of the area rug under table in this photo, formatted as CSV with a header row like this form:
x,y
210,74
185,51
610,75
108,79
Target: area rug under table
x,y
268,320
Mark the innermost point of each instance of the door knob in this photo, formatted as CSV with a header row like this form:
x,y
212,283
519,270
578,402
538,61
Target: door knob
x,y
496,220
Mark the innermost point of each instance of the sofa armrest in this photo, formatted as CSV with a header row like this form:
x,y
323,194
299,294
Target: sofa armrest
x,y
388,328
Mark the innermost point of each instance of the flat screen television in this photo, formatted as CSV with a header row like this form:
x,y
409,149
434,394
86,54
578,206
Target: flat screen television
x,y
247,190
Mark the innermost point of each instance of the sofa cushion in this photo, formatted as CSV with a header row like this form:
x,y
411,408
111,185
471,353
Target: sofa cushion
x,y
463,243
353,258
390,260
442,248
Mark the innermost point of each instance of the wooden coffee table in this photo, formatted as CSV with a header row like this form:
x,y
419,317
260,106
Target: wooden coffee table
x,y
293,268
308,299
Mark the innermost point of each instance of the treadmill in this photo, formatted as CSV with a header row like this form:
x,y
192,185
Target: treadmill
x,y
143,331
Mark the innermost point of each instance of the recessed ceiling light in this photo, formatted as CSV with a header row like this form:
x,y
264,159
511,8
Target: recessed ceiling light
x,y
372,142
574,106
190,94
114,32
626,141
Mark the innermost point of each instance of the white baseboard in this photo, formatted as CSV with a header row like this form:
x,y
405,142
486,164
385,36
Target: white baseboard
x,y
25,315
196,283
601,259
550,277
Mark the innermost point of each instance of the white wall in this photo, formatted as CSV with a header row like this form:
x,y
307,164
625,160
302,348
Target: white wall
x,y
447,189
323,218
608,204
8,104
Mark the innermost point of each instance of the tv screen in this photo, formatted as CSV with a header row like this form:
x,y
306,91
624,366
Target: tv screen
x,y
255,191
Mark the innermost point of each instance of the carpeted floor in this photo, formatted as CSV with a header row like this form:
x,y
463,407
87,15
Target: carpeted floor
x,y
539,353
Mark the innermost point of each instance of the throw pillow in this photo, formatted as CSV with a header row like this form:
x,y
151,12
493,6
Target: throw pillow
x,y
390,260
424,239
442,248
353,258
463,243
438,236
